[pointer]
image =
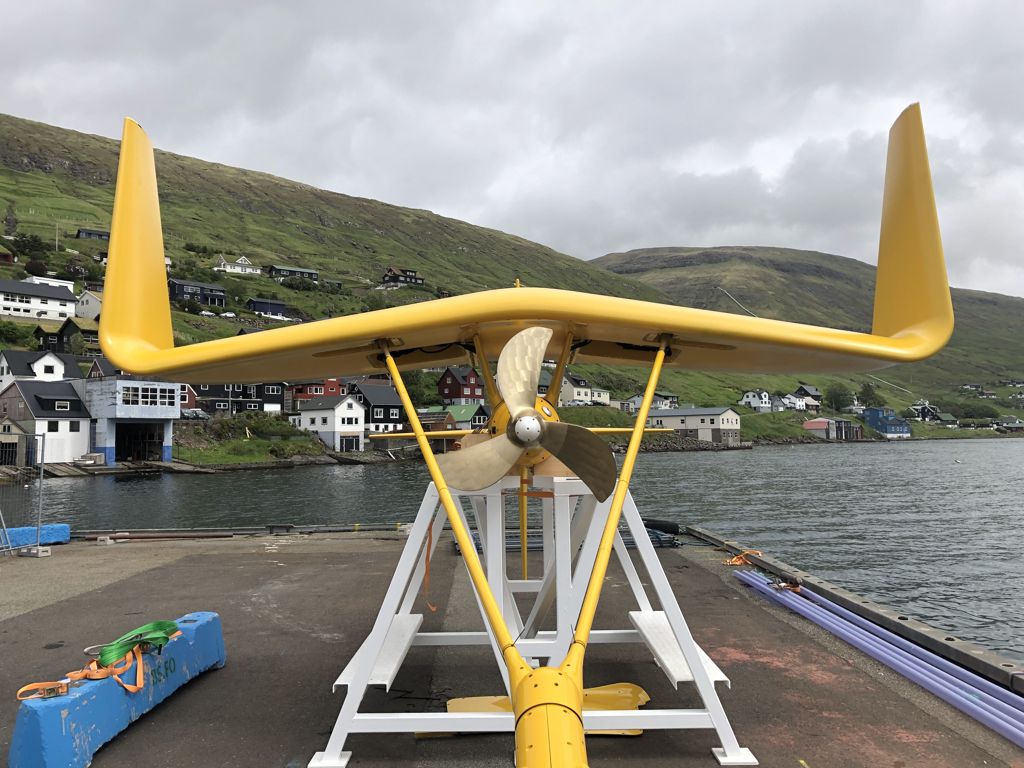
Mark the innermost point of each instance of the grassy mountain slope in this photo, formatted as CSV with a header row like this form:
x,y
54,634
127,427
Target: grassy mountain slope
x,y
822,289
53,178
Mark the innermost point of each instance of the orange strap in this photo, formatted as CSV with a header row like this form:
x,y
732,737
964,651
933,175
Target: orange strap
x,y
93,671
741,558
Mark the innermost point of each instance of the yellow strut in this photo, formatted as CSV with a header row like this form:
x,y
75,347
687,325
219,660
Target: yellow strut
x,y
555,387
517,666
524,486
489,386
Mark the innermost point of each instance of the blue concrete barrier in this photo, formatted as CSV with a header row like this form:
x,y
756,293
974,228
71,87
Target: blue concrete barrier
x,y
65,731
51,533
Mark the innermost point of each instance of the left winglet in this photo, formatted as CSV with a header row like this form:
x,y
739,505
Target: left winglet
x,y
136,275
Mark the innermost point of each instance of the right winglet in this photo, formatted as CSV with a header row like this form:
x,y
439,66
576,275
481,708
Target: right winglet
x,y
911,287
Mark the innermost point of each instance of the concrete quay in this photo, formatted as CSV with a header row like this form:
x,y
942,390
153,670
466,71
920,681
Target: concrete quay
x,y
295,608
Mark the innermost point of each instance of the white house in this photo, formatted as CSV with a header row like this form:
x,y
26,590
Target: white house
x,y
52,410
713,425
241,266
36,301
757,399
574,389
89,305
662,401
18,365
794,403
338,421
51,281
602,396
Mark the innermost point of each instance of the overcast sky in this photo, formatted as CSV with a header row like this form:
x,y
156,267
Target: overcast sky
x,y
589,127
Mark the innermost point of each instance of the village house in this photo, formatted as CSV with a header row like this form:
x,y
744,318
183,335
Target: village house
x,y
279,273
438,421
89,305
271,308
34,300
473,416
599,396
300,392
18,365
133,419
51,410
757,399
207,294
887,423
807,391
383,406
461,385
712,425
240,266
240,398
834,429
662,401
398,278
75,336
339,421
794,403
92,234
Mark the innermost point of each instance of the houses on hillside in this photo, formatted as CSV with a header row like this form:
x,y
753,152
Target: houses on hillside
x,y
206,294
240,266
461,385
339,421
33,300
398,278
803,398
886,423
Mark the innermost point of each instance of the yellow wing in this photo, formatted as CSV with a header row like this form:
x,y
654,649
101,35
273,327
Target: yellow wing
x,y
913,316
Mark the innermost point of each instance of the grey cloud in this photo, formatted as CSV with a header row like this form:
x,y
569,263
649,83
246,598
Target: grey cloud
x,y
588,127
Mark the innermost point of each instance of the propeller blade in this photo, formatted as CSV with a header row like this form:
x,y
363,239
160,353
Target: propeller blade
x,y
479,465
519,368
584,453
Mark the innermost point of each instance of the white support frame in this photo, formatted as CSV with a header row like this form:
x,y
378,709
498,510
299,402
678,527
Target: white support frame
x,y
572,522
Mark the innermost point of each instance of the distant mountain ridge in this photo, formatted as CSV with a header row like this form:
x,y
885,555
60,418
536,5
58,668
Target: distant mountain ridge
x,y
824,289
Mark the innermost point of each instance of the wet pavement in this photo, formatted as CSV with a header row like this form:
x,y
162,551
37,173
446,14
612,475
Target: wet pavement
x,y
295,608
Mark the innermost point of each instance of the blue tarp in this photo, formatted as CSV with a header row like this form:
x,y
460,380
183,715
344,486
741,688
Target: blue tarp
x,y
51,533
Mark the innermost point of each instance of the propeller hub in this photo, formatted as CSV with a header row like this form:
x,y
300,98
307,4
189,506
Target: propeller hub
x,y
527,429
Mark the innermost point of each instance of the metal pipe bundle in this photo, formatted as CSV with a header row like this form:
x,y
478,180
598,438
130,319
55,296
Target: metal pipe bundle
x,y
1000,710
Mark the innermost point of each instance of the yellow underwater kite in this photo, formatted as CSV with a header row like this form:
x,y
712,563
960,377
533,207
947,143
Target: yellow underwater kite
x,y
913,318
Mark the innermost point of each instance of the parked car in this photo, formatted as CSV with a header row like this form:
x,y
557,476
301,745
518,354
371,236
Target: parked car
x,y
228,314
207,313
194,413
577,403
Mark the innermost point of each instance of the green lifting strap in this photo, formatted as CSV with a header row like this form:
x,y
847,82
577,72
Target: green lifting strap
x,y
155,634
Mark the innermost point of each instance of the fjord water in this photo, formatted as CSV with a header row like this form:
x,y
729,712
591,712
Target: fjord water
x,y
930,528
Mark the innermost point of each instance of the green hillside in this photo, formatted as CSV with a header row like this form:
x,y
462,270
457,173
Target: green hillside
x,y
54,180
822,289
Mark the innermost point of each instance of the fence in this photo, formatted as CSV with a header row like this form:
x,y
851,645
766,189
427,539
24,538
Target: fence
x,y
20,474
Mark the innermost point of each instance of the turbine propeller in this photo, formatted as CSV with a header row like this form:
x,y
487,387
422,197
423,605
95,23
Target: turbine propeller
x,y
483,464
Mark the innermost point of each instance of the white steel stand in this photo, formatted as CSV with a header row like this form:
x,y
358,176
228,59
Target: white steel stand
x,y
572,522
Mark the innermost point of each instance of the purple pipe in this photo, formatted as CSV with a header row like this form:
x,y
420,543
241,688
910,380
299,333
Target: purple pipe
x,y
977,681
974,686
995,706
915,669
910,667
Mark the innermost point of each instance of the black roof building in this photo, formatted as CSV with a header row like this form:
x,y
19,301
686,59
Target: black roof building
x,y
46,399
39,290
20,362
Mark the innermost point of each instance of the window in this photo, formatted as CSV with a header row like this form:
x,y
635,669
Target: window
x,y
312,421
394,413
478,392
75,426
712,421
252,406
204,386
349,406
238,387
130,396
702,421
6,429
378,413
316,390
47,369
44,301
166,396
52,426
445,390
323,420
184,397
222,406
62,405
271,389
